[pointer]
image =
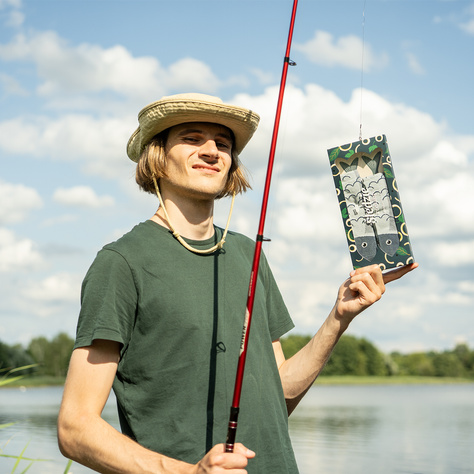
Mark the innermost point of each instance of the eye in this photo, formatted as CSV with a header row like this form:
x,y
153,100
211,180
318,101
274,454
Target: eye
x,y
190,139
364,245
223,145
388,242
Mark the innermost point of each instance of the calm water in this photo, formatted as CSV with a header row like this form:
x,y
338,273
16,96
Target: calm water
x,y
336,429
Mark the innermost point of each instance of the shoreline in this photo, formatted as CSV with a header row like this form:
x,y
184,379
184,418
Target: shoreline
x,y
37,382
389,380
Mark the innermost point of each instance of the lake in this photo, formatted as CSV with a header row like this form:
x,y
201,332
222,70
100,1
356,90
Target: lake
x,y
412,429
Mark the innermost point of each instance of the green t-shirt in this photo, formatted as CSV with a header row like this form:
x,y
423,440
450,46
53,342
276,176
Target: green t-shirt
x,y
179,316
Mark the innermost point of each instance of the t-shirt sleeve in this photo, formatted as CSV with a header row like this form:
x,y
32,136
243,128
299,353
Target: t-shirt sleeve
x,y
279,319
108,301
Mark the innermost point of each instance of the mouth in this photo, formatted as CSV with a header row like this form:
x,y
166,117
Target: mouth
x,y
206,168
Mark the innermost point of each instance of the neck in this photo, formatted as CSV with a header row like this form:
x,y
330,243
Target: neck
x,y
192,218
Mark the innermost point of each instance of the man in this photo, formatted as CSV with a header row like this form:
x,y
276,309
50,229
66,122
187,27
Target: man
x,y
162,314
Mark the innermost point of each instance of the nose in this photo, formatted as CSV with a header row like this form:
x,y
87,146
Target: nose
x,y
209,149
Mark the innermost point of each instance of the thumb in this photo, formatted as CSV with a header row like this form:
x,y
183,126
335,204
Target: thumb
x,y
239,448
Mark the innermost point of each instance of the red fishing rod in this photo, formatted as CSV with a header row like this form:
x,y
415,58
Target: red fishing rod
x,y
234,410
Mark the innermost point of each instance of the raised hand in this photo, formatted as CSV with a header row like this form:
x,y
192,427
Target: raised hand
x,y
363,288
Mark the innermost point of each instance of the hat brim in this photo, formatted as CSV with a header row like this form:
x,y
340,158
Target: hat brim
x,y
168,112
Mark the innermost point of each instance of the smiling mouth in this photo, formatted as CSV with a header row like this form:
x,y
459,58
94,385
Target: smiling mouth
x,y
208,169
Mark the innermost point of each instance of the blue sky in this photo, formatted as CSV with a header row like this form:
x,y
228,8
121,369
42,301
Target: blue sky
x,y
74,74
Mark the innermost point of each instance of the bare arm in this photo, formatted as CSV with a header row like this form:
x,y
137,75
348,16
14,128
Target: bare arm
x,y
86,438
364,287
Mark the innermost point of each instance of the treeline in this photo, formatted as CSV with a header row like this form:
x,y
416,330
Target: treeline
x,y
48,357
358,356
351,356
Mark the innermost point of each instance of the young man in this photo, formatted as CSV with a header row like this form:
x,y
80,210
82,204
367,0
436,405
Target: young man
x,y
162,314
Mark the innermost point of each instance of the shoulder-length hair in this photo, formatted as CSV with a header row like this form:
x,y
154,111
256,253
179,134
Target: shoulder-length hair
x,y
152,163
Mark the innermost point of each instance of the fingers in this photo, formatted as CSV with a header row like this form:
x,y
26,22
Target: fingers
x,y
217,460
368,282
239,448
399,272
364,287
391,275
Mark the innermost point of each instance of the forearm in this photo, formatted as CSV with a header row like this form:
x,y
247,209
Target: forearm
x,y
300,371
91,441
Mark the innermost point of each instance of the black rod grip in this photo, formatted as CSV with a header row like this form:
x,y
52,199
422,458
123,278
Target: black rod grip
x,y
232,429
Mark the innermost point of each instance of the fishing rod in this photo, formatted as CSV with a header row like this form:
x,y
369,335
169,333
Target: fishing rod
x,y
234,410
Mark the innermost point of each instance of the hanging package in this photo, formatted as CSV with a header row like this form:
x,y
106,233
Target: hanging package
x,y
370,204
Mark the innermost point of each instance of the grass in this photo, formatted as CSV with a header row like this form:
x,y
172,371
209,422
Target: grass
x,y
35,381
8,378
49,381
388,380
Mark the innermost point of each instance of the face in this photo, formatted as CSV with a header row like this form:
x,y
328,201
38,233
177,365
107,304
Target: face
x,y
198,159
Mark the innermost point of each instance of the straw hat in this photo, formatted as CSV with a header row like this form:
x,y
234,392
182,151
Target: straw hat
x,y
182,108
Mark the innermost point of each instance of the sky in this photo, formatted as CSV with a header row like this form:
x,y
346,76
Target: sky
x,y
74,75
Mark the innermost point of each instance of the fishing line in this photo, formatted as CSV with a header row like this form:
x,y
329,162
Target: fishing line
x,y
362,70
276,179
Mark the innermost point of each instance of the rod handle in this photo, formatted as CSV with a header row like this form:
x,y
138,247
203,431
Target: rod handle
x,y
232,429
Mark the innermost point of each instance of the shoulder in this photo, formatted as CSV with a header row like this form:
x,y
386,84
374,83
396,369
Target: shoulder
x,y
239,239
142,238
128,249
239,244
244,246
139,233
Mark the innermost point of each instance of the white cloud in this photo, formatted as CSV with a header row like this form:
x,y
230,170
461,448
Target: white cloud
x,y
304,212
467,25
85,68
454,254
61,287
58,220
14,17
467,286
17,202
346,51
434,167
264,77
10,3
191,74
98,142
308,252
82,196
90,69
17,254
11,86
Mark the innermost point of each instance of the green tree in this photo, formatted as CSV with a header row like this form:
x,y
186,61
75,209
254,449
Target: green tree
x,y
61,348
466,357
375,361
346,358
417,363
14,356
293,343
38,348
52,356
447,364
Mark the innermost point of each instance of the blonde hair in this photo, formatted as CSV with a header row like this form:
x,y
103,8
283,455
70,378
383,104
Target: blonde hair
x,y
152,164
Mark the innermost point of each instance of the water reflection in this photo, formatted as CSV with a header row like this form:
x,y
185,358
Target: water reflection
x,y
34,413
402,429
335,430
